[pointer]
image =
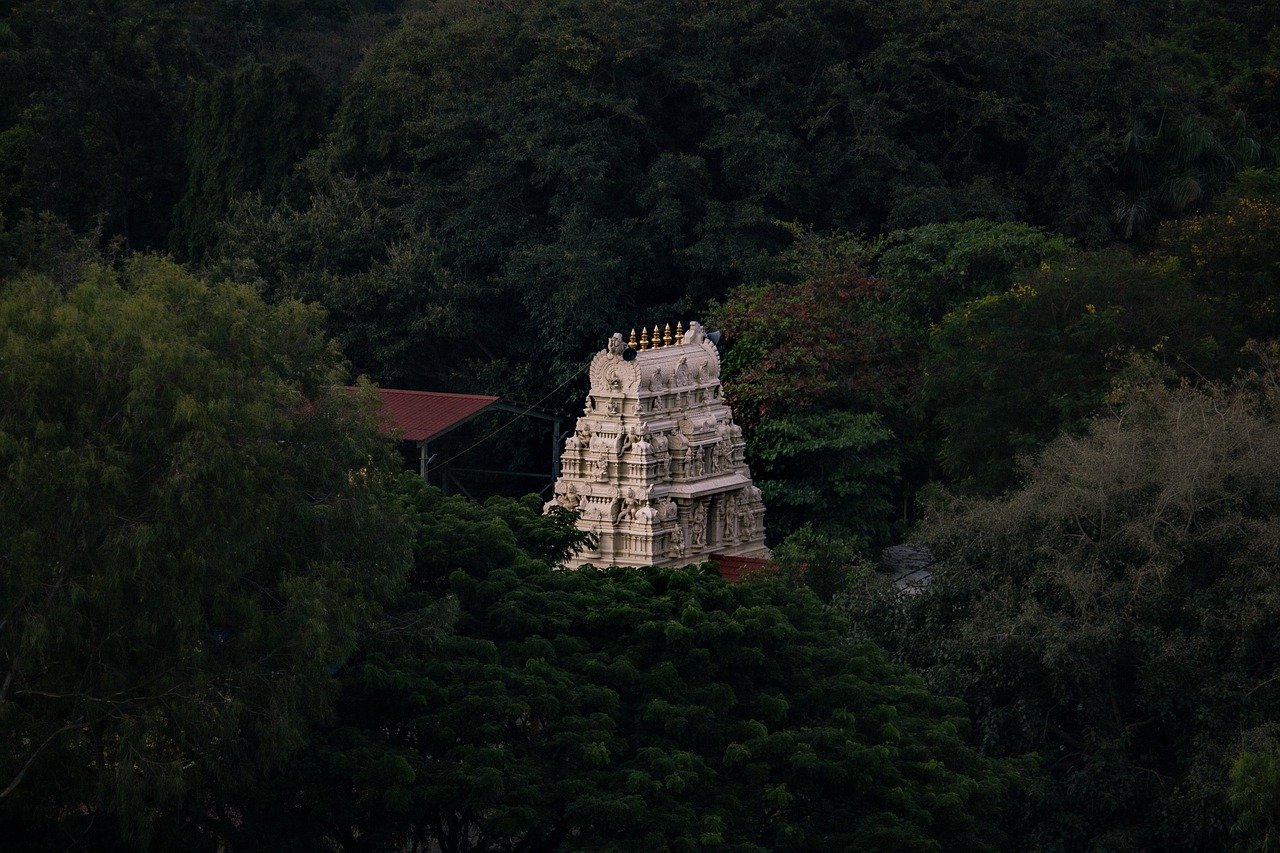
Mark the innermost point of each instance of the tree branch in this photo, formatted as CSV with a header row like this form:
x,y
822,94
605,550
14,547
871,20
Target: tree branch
x,y
17,780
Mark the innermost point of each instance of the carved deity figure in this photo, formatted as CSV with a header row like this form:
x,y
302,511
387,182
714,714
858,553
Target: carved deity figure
x,y
698,525
693,461
616,346
721,455
682,373
631,505
636,438
675,543
667,510
662,451
570,499
729,518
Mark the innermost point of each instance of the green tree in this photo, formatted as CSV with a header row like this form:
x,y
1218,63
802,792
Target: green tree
x,y
1232,253
195,524
1179,164
88,124
99,126
1117,614
650,708
246,129
390,300
1255,798
825,364
1006,372
816,369
931,269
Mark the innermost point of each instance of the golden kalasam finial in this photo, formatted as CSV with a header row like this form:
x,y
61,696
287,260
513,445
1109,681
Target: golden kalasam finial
x,y
631,342
657,337
666,335
679,332
644,338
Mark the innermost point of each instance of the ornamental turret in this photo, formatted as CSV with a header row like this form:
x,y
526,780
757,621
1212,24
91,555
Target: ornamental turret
x,y
655,465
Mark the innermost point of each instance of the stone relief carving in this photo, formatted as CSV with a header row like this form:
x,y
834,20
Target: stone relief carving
x,y
698,525
682,373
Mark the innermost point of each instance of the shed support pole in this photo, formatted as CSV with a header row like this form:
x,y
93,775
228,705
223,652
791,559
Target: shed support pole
x,y
422,459
555,451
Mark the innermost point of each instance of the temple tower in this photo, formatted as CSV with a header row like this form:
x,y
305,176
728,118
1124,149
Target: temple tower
x,y
655,465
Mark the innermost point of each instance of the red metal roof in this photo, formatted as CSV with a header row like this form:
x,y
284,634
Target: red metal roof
x,y
734,569
423,415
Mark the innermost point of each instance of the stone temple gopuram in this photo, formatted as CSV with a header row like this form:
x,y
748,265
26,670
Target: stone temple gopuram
x,y
655,465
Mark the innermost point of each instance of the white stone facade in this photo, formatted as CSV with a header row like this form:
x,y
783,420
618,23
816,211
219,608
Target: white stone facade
x,y
655,465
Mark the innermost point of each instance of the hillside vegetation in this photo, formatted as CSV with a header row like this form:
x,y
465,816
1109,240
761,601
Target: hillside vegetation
x,y
998,277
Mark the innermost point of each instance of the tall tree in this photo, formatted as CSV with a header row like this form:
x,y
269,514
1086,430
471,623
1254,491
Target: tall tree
x,y
1117,614
245,130
194,525
816,368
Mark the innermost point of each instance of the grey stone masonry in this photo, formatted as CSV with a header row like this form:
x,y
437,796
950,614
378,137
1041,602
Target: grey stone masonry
x,y
655,464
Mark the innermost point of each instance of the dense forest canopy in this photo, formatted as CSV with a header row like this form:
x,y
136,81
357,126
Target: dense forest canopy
x,y
472,189
998,277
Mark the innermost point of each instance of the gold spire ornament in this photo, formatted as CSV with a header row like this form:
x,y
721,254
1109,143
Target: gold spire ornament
x,y
679,332
657,337
644,339
631,342
666,335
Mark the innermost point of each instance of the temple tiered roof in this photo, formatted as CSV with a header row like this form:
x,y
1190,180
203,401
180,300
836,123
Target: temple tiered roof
x,y
655,465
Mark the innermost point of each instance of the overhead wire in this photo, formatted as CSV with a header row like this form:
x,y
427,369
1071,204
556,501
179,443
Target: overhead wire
x,y
491,434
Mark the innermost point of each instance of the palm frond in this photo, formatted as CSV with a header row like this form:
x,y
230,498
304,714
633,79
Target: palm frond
x,y
1132,216
1180,193
1194,139
1247,152
1136,141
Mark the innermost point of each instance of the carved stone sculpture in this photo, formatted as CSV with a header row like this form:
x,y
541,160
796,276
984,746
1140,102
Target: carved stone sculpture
x,y
698,525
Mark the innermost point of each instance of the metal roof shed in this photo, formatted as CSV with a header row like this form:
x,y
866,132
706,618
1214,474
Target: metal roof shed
x,y
423,416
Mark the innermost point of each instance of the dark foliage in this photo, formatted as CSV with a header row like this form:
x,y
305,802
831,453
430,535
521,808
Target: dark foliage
x,y
652,708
